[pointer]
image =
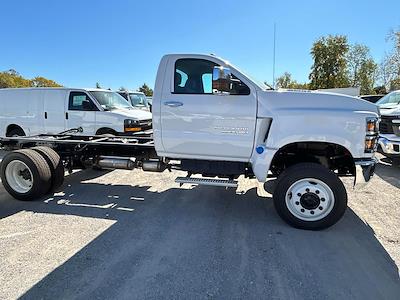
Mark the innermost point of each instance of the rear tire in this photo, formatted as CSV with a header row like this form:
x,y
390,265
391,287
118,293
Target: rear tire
x,y
310,196
25,174
55,163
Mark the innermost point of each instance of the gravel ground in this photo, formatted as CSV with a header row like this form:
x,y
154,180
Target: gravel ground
x,y
134,235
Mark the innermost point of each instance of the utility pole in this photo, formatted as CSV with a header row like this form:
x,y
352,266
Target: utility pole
x,y
273,58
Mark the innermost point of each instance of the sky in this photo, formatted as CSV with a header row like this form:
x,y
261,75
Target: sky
x,y
120,43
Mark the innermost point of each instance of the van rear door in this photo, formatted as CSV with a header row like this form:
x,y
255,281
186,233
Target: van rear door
x,y
54,111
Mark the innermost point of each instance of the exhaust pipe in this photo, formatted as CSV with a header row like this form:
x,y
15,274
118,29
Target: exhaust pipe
x,y
109,162
154,166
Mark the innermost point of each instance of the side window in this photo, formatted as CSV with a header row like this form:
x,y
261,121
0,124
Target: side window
x,y
238,87
193,76
80,101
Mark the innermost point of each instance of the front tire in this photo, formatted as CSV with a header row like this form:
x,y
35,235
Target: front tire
x,y
25,174
310,196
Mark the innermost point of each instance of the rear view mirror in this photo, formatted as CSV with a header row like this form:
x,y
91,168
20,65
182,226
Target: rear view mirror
x,y
221,81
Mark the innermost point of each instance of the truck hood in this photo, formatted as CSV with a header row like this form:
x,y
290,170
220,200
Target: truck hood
x,y
272,102
135,114
390,110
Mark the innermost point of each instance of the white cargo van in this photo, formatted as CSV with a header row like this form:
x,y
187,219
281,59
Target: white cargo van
x,y
30,111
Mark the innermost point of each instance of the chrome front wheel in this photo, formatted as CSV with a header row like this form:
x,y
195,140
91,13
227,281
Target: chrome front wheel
x,y
310,196
310,199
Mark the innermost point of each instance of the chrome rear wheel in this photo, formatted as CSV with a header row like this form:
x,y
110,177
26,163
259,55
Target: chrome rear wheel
x,y
19,176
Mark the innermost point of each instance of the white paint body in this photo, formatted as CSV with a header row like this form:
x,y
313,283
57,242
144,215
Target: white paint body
x,y
26,108
230,127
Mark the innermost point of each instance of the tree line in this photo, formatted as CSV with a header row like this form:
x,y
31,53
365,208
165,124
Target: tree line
x,y
336,64
12,79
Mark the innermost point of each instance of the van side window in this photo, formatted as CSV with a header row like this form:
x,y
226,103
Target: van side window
x,y
193,76
80,101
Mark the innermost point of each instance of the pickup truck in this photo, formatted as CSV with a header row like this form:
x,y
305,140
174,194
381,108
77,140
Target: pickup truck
x,y
389,138
211,119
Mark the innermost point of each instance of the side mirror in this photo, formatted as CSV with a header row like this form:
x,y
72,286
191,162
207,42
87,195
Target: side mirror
x,y
221,81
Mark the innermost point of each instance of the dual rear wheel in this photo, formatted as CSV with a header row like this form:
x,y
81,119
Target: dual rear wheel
x,y
28,174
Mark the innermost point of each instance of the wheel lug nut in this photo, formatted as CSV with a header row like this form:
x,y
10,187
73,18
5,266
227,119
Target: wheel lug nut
x,y
322,199
302,210
317,192
320,208
312,212
297,202
299,194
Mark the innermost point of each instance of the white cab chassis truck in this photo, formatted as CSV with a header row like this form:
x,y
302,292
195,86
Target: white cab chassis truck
x,y
211,119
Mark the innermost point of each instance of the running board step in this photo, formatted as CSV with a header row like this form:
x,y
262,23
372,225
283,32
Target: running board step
x,y
207,181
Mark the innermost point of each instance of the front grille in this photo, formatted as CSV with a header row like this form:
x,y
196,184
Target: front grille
x,y
386,125
396,148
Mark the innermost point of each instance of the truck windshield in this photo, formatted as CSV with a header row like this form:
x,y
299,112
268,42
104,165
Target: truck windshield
x,y
390,100
111,100
138,100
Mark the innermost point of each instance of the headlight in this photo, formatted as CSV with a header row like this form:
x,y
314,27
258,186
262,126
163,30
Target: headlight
x,y
372,126
132,125
371,137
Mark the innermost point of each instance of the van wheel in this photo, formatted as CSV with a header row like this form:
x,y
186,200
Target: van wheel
x,y
55,163
106,132
310,196
16,132
25,174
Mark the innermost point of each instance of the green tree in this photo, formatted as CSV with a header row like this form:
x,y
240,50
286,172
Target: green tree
x,y
43,82
329,69
285,81
146,90
362,68
12,79
381,89
389,68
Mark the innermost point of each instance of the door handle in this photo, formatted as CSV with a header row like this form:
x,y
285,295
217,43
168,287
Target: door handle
x,y
66,116
45,114
173,103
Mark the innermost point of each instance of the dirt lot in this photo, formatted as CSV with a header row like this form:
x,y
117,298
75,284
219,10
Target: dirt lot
x,y
133,235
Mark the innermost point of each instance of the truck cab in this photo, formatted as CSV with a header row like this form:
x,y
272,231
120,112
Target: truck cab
x,y
204,108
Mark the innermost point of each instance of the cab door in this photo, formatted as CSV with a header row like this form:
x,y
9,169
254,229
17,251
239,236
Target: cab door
x,y
195,123
81,112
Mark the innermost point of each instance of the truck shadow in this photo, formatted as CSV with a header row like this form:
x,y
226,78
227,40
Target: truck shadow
x,y
207,242
388,172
